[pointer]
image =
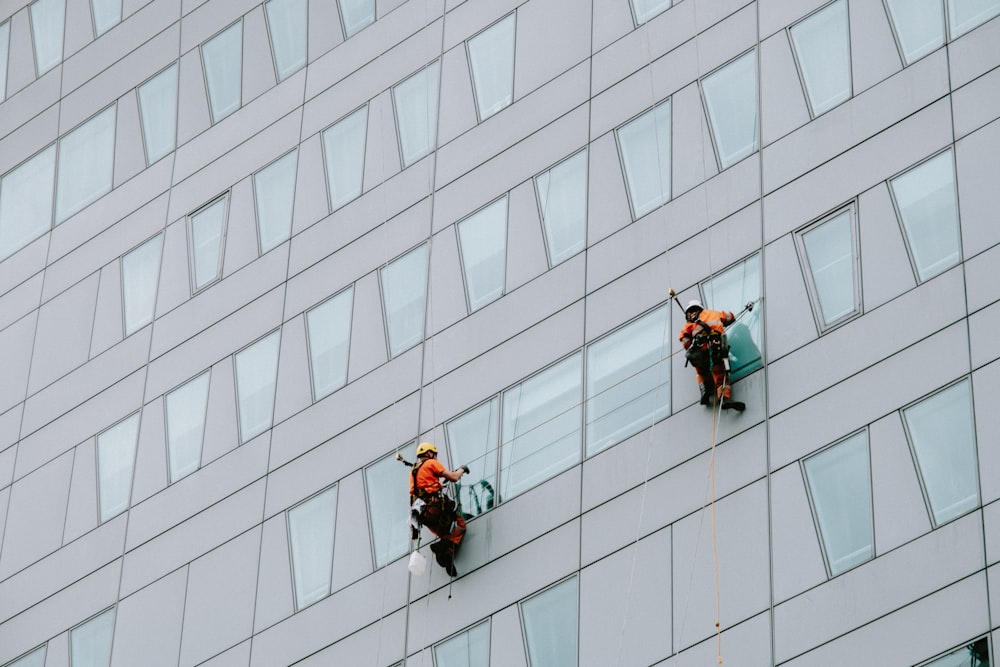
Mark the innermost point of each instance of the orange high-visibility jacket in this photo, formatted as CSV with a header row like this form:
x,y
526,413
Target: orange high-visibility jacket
x,y
715,320
428,472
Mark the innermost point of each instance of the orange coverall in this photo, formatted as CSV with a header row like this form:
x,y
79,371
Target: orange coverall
x,y
716,321
439,512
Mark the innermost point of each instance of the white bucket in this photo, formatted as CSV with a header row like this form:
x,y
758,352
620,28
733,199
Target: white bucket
x,y
418,564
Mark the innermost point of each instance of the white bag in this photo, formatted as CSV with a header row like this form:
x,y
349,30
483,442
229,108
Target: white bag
x,y
418,564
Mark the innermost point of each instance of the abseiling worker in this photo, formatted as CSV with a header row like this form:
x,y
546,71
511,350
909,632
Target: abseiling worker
x,y
703,336
433,508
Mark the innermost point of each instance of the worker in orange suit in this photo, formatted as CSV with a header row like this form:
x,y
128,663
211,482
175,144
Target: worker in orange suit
x,y
433,508
703,336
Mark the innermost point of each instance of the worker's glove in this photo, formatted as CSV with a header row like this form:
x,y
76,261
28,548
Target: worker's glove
x,y
750,306
466,469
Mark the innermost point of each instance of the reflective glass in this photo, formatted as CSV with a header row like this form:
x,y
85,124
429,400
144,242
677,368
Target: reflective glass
x,y
86,164
48,20
562,197
34,659
964,15
344,149
223,58
541,427
4,49
107,14
919,26
482,239
645,148
823,52
286,22
256,374
468,649
387,483
207,229
329,327
310,532
491,56
829,254
840,490
628,380
647,9
26,202
731,290
115,458
731,101
158,106
472,439
976,654
550,626
404,291
356,14
416,103
274,190
186,409
928,206
140,277
942,433
90,643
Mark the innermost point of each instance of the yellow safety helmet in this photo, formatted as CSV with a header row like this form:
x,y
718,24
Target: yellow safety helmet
x,y
425,447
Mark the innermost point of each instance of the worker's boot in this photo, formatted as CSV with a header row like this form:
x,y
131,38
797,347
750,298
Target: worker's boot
x,y
730,404
441,555
706,397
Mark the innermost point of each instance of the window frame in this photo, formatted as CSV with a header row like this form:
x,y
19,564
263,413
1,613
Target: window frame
x,y
955,649
17,662
4,57
664,198
505,197
385,306
113,610
39,72
271,44
142,123
523,621
638,21
93,17
309,342
204,72
552,262
192,252
720,163
126,330
347,34
204,425
897,36
51,198
390,556
257,203
738,373
59,217
277,331
434,127
480,116
465,631
101,518
335,489
331,207
851,209
800,70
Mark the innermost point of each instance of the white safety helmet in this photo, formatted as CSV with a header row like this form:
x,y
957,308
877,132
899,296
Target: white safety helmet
x,y
694,304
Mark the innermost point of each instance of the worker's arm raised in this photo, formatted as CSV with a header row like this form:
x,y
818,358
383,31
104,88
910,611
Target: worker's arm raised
x,y
454,475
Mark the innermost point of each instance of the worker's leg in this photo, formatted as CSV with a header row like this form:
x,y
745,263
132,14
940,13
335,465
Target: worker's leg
x,y
706,385
721,381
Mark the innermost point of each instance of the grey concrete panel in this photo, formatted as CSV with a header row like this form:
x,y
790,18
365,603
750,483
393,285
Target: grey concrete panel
x,y
29,139
382,160
897,500
237,656
984,382
81,510
20,267
610,24
149,475
977,195
241,231
369,349
205,21
607,199
193,114
219,607
294,388
63,335
15,356
524,233
384,639
352,554
222,433
993,583
720,42
796,554
778,14
789,312
130,7
879,587
637,291
7,460
782,99
324,28
749,642
465,20
624,600
21,69
982,346
458,114
874,56
4,502
975,103
57,650
311,202
886,271
974,53
148,624
19,301
130,157
35,515
258,66
506,639
108,325
174,287
274,576
991,530
446,302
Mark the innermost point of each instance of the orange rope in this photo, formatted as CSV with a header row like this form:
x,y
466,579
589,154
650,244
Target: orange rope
x,y
715,543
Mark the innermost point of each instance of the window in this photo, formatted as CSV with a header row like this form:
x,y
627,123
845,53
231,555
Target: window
x,y
482,241
310,533
647,9
107,14
472,439
90,643
223,59
208,231
927,205
48,20
186,408
942,434
416,104
140,276
158,108
4,49
404,290
34,659
540,427
551,620
823,53
730,291
731,102
628,380
26,201
86,164
274,191
286,22
829,252
329,329
644,144
562,199
256,373
356,14
964,15
470,648
976,654
386,482
344,150
491,58
919,26
840,490
115,457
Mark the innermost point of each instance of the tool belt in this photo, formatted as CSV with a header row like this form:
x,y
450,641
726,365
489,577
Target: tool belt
x,y
706,349
437,511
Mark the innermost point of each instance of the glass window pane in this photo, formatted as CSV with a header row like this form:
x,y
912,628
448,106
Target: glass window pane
x,y
840,490
628,380
550,626
541,427
823,52
223,58
356,14
562,197
256,373
310,532
344,149
90,643
404,290
976,654
731,290
472,439
158,106
645,149
491,56
107,14
186,409
140,277
928,206
34,659
942,433
286,22
47,25
274,190
4,49
329,328
86,164
919,26
830,257
207,234
482,240
647,9
416,102
964,15
468,649
731,101
387,484
115,456
26,202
